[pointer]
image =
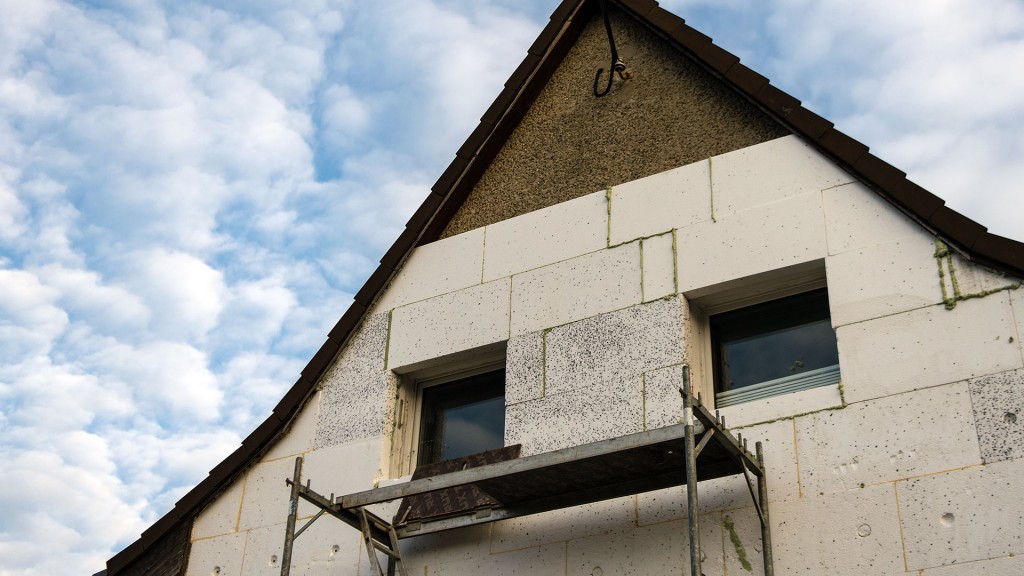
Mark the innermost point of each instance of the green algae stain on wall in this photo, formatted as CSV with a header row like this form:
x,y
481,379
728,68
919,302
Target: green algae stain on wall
x,y
741,553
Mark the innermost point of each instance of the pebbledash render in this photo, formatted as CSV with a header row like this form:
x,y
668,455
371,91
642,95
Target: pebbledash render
x,y
577,256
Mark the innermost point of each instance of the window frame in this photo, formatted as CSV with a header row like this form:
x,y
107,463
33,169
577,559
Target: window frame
x,y
774,315
403,450
453,393
706,301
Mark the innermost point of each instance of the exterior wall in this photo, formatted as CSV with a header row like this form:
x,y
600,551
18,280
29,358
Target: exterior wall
x,y
671,113
912,464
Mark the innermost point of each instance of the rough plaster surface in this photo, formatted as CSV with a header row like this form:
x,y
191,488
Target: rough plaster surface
x,y
963,515
854,532
998,402
887,439
926,347
524,367
354,388
614,346
670,114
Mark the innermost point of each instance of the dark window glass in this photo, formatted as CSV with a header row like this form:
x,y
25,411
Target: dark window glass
x,y
463,417
781,338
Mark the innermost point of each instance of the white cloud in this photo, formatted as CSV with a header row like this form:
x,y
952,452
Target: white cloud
x,y
184,294
170,381
29,318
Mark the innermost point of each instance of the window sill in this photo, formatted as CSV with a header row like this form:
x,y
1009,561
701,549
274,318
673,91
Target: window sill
x,y
783,406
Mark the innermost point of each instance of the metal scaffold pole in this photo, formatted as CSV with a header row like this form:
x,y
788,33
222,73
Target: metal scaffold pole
x,y
691,475
293,512
766,529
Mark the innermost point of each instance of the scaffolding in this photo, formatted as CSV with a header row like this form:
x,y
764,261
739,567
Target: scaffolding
x,y
698,449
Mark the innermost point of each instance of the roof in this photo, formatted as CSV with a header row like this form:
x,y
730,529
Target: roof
x,y
969,238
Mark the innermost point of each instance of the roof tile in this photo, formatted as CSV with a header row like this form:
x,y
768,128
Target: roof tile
x,y
450,176
641,7
349,320
472,144
231,464
405,242
808,123
746,79
328,350
374,284
718,58
159,529
526,67
879,172
776,101
425,212
263,433
125,557
564,10
690,38
293,397
842,146
498,107
665,20
958,228
918,201
197,496
996,249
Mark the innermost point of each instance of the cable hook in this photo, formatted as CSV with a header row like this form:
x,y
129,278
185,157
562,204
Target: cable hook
x,y
618,66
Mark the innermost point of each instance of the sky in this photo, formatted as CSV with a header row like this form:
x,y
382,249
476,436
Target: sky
x,y
191,192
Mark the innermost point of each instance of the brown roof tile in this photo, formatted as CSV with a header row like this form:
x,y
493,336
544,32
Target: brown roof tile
x,y
842,147
406,241
746,79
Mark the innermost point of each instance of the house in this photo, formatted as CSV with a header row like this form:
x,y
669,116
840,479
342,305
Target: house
x,y
578,254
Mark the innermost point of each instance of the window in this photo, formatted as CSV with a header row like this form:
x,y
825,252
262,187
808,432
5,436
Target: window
x,y
772,348
462,417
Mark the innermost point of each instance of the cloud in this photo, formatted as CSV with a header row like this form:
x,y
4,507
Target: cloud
x,y
29,318
184,294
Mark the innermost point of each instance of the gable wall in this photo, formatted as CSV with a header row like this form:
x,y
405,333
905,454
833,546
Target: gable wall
x,y
671,113
911,464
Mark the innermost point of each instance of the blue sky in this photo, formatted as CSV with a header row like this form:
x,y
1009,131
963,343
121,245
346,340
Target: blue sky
x,y
191,192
